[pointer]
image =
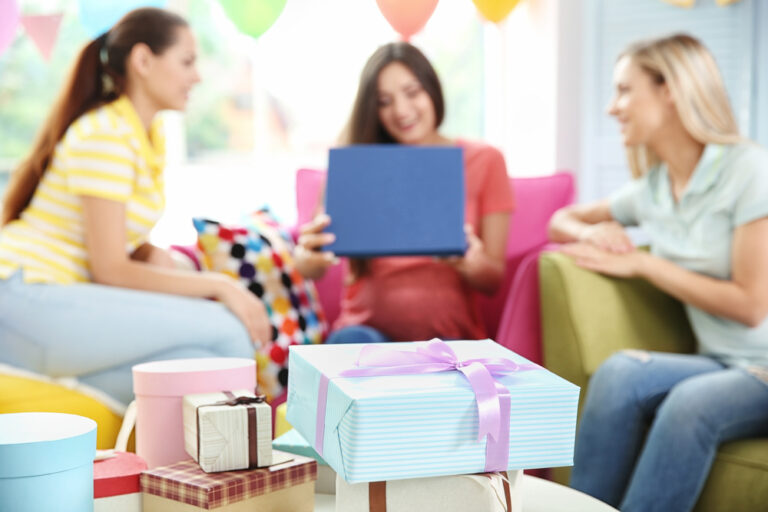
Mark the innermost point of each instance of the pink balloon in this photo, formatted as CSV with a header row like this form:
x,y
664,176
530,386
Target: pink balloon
x,y
407,16
9,20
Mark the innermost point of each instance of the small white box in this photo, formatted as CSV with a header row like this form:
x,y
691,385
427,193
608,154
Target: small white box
x,y
228,431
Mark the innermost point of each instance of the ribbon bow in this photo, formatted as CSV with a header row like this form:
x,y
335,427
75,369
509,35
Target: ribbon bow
x,y
438,356
493,401
242,400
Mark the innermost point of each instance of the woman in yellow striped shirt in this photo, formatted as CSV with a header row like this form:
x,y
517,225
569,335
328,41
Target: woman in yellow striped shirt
x,y
82,292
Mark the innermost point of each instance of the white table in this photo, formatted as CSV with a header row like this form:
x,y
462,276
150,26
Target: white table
x,y
538,496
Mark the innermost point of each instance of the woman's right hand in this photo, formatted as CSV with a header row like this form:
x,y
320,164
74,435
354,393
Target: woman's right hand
x,y
247,308
310,261
609,236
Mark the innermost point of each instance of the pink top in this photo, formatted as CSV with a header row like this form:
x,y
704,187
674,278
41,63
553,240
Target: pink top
x,y
419,298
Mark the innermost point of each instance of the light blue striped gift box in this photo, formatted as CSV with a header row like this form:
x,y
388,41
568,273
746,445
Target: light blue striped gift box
x,y
414,426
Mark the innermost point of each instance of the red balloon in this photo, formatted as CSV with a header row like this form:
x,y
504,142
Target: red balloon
x,y
407,17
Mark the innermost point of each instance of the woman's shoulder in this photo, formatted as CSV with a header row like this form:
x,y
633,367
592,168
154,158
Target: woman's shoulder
x,y
481,157
102,122
745,163
476,148
747,154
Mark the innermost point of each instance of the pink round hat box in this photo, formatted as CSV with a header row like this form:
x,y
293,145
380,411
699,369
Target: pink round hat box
x,y
159,387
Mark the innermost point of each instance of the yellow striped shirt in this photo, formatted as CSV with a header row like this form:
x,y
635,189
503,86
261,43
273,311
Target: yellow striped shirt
x,y
105,153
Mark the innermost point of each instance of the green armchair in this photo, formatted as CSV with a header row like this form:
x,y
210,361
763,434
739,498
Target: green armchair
x,y
586,317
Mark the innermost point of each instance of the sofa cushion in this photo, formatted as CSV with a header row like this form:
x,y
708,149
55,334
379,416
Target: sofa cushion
x,y
22,391
259,255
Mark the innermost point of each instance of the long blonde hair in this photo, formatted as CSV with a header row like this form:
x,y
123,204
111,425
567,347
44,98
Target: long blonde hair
x,y
690,72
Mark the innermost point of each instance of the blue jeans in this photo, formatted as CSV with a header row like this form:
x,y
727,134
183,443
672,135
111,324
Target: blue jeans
x,y
356,334
686,404
97,333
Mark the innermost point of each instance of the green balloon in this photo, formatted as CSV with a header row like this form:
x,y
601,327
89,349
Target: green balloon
x,y
253,17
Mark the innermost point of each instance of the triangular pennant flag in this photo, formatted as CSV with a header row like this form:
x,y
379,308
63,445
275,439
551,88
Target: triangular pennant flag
x,y
9,20
43,30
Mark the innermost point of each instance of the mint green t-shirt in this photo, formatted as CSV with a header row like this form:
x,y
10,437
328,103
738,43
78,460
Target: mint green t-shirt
x,y
728,188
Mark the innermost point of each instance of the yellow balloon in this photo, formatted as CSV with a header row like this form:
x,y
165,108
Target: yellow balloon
x,y
495,10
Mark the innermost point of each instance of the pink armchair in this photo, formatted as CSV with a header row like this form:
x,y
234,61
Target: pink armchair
x,y
511,316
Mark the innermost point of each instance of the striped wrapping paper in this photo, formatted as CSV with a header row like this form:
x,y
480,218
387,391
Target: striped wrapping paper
x,y
413,426
186,483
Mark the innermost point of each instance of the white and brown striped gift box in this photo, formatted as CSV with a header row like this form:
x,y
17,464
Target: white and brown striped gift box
x,y
228,430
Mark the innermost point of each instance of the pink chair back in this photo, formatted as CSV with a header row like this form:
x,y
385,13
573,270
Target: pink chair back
x,y
536,199
309,185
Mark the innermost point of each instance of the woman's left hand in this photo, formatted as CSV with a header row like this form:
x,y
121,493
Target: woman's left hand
x,y
590,257
474,255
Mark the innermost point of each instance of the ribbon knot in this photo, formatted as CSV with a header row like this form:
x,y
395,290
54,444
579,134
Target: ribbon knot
x,y
243,400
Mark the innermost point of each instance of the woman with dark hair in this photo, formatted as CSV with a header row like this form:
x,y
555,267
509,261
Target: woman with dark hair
x,y
400,101
82,292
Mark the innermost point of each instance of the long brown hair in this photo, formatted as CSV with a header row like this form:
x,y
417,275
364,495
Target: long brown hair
x,y
691,73
364,125
97,77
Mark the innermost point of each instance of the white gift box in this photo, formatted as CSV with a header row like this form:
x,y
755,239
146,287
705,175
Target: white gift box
x,y
489,492
228,431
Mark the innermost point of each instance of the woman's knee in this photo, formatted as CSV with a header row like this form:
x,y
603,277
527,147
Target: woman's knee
x,y
621,368
690,403
618,378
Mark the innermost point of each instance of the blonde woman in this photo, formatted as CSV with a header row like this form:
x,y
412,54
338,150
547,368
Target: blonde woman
x,y
701,195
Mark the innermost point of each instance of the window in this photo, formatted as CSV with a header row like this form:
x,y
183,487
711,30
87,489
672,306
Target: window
x,y
265,107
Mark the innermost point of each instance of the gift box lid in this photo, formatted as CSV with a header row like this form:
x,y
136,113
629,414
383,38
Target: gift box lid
x,y
427,422
41,443
293,442
117,475
185,482
179,377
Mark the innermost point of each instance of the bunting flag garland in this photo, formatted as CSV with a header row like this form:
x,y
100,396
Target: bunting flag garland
x,y
691,3
43,30
9,20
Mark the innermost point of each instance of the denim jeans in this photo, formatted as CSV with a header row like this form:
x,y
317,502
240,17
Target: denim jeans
x,y
686,404
357,334
97,333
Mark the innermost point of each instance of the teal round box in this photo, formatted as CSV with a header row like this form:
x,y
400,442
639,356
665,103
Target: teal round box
x,y
46,462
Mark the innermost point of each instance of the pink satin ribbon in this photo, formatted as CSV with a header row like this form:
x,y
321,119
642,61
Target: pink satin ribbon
x,y
493,400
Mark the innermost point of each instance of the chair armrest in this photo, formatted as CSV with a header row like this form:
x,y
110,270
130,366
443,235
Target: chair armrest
x,y
586,317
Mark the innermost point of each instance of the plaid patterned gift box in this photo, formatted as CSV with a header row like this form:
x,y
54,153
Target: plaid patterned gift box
x,y
184,487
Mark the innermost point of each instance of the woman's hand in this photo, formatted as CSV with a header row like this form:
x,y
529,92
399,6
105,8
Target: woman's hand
x,y
474,256
309,259
591,257
608,236
481,270
247,308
